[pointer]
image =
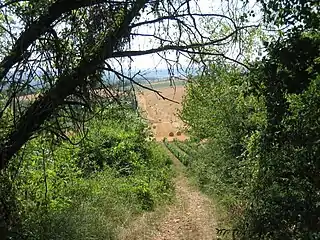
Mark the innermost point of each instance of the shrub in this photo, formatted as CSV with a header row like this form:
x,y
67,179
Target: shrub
x,y
260,158
289,151
220,110
87,191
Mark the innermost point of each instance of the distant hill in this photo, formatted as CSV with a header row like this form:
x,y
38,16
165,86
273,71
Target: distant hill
x,y
151,74
145,75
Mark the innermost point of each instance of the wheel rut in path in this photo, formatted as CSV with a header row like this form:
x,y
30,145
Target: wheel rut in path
x,y
190,217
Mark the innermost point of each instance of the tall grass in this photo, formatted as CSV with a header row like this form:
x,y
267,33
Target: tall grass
x,y
91,190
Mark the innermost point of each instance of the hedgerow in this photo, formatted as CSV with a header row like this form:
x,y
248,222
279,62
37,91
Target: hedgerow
x,y
261,152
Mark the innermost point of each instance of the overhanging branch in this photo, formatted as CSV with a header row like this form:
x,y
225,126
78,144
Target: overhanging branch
x,y
131,79
49,102
39,27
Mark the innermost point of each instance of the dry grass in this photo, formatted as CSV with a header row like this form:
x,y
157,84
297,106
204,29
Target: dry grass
x,y
163,112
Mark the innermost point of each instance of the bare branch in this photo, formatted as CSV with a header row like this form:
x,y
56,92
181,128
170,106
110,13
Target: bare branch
x,y
175,17
169,47
36,29
131,79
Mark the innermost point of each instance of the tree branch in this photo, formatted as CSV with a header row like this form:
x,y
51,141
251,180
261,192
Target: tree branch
x,y
39,27
172,47
131,79
48,103
11,2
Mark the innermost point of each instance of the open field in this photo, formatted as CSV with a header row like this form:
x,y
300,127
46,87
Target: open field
x,y
162,114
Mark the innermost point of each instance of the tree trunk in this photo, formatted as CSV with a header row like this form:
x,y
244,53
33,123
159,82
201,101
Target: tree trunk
x,y
46,104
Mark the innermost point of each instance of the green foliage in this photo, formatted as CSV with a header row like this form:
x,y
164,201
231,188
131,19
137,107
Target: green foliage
x,y
89,190
6,115
220,98
289,149
221,110
183,146
121,145
261,130
178,152
301,13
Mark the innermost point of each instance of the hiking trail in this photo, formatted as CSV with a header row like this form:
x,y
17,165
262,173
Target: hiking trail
x,y
189,217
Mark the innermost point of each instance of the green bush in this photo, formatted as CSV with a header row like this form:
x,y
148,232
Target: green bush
x,y
89,190
261,154
220,109
289,150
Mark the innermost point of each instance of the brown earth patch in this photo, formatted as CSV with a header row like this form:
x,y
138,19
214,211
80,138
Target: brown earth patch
x,y
163,114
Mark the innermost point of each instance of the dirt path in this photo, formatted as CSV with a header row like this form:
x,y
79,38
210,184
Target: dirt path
x,y
190,217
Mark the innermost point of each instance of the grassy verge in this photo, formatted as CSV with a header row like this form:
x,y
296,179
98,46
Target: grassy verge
x,y
178,152
91,190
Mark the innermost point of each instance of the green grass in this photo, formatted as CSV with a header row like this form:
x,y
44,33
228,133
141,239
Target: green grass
x,y
189,149
178,152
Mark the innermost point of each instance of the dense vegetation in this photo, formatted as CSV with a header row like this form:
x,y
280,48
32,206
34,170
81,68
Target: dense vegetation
x,y
261,152
75,166
261,156
89,190
69,170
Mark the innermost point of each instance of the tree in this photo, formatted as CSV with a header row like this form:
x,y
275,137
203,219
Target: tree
x,y
300,14
272,114
63,47
288,80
